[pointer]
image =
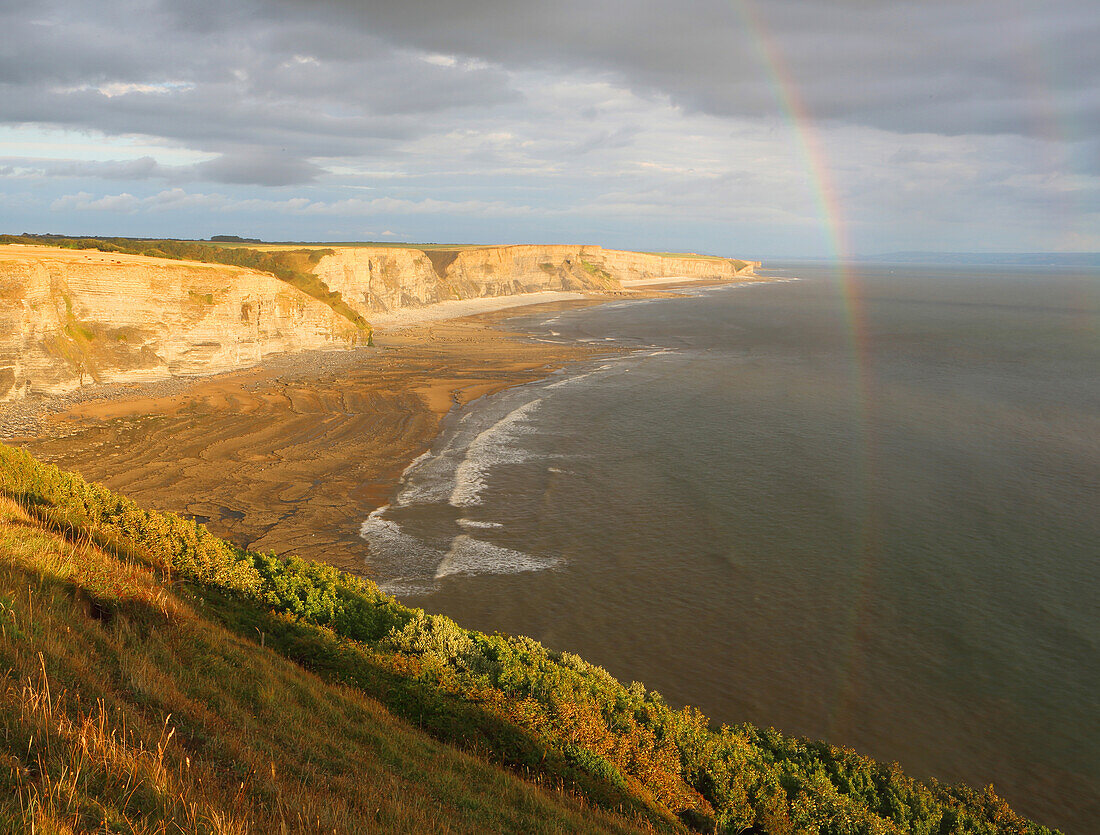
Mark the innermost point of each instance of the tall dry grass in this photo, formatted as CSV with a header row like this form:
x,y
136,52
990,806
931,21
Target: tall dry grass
x,y
124,708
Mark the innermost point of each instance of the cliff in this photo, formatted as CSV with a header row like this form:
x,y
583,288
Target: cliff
x,y
381,279
74,317
68,318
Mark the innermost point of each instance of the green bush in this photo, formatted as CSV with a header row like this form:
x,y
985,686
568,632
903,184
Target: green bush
x,y
512,698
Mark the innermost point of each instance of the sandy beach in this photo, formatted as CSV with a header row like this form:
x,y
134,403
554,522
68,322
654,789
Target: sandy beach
x,y
291,455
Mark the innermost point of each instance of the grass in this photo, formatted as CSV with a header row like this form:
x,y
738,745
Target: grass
x,y
127,707
737,263
170,617
691,255
200,298
602,276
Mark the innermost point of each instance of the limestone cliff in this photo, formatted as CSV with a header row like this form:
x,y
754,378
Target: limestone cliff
x,y
380,279
68,318
74,317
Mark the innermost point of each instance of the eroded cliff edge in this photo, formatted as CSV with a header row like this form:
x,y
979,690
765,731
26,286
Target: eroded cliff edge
x,y
73,318
383,279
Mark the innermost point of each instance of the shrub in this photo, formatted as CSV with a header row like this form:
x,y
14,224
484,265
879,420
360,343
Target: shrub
x,y
519,702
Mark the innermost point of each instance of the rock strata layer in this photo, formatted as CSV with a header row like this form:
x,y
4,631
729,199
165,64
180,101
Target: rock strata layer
x,y
384,279
72,318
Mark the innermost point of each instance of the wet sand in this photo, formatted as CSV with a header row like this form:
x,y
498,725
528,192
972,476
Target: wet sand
x,y
290,456
293,454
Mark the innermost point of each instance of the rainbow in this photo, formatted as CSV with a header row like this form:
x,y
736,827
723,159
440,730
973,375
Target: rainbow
x,y
830,213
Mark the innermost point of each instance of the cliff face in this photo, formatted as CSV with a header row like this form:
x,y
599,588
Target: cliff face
x,y
68,318
637,266
376,279
73,317
380,279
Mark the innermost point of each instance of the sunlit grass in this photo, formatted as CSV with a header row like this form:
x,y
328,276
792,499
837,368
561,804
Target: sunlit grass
x,y
125,709
101,600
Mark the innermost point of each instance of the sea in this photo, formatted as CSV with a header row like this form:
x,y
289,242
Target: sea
x,y
855,502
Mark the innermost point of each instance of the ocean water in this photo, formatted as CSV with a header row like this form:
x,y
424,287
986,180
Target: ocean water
x,y
861,508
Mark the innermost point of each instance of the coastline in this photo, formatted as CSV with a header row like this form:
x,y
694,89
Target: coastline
x,y
290,455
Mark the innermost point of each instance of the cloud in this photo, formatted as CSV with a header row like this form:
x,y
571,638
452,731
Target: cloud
x,y
142,168
177,199
258,167
248,167
974,67
514,110
299,75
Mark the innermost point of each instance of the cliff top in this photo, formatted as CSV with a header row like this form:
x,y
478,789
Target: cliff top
x,y
34,252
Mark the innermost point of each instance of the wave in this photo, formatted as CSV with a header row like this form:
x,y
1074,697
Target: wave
x,y
477,523
475,556
489,449
392,550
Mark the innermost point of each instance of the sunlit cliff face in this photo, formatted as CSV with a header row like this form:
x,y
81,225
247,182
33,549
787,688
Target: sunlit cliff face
x,y
74,318
69,318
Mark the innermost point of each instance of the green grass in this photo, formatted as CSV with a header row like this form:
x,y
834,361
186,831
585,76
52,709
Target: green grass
x,y
275,247
691,255
602,276
127,707
200,298
549,717
737,263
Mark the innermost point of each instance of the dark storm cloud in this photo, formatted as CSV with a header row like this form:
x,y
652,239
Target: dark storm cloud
x,y
270,92
943,67
258,166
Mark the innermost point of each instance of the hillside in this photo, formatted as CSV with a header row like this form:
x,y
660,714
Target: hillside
x,y
156,674
127,705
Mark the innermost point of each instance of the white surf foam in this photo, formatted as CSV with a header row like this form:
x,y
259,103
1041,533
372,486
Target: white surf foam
x,y
385,536
430,480
392,550
477,523
568,381
475,556
406,586
488,449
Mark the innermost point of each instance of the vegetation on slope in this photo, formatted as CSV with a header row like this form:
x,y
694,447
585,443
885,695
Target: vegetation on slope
x,y
293,266
125,707
546,715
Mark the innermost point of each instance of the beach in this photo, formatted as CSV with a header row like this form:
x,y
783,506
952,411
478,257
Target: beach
x,y
292,454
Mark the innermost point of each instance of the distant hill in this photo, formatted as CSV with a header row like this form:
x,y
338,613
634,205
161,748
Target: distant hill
x,y
233,239
1021,259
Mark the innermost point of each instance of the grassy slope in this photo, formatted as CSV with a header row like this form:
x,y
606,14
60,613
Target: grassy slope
x,y
127,706
548,716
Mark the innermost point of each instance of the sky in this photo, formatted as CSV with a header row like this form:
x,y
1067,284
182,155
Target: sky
x,y
750,128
